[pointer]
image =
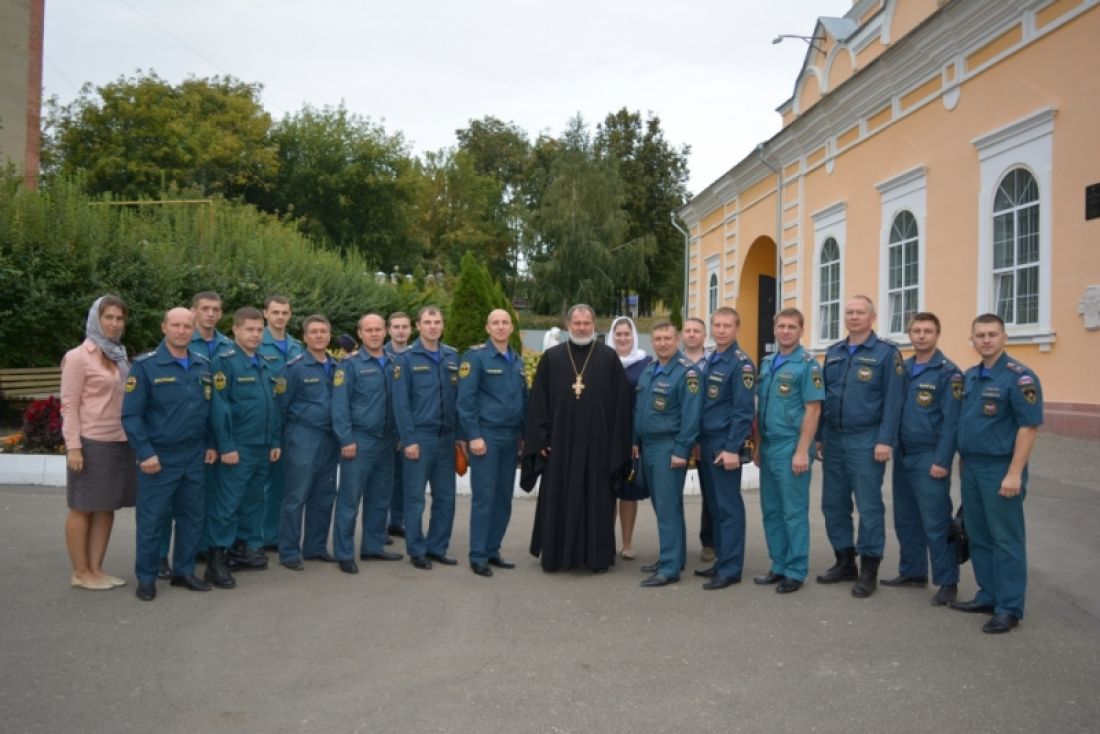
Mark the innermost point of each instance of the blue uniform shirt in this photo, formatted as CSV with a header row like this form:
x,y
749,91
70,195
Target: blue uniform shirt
x,y
667,405
166,407
424,392
930,411
784,391
243,410
995,406
492,392
210,349
361,399
304,392
729,398
275,357
864,388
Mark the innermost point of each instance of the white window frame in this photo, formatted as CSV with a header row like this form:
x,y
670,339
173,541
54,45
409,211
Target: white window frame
x,y
1025,143
1016,268
908,191
832,221
716,289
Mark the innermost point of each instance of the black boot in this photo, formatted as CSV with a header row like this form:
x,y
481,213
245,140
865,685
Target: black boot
x,y
867,582
843,570
217,570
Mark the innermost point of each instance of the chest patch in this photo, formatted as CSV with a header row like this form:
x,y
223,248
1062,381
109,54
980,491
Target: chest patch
x,y
989,407
924,398
712,391
864,373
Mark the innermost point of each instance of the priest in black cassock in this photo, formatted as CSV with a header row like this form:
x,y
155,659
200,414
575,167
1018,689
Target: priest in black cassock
x,y
578,439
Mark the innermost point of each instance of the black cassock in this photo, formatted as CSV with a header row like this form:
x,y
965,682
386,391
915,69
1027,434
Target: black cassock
x,y
590,438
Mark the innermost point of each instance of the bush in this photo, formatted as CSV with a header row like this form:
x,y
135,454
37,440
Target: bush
x,y
42,427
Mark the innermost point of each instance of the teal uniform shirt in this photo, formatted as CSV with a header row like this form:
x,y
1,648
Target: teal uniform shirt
x,y
243,410
166,406
274,355
492,392
783,392
361,399
668,403
995,405
211,349
930,411
424,392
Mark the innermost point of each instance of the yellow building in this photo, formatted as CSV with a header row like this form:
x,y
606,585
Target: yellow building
x,y
938,155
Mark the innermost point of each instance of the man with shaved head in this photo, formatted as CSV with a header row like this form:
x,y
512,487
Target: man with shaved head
x,y
164,413
492,408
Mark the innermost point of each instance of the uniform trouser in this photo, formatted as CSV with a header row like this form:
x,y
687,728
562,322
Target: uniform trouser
x,y
998,540
666,491
397,500
922,518
175,491
235,510
273,501
492,484
436,466
851,469
366,479
723,490
210,488
706,521
785,504
309,467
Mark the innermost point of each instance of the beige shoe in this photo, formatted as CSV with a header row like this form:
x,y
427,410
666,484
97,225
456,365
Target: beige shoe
x,y
628,554
114,580
95,585
707,555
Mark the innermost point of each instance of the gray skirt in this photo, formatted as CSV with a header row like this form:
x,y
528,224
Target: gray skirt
x,y
108,480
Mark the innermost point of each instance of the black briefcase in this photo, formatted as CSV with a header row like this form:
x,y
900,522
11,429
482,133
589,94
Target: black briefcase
x,y
958,538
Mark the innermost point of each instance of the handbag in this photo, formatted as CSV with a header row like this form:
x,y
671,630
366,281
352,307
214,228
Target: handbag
x,y
957,536
461,463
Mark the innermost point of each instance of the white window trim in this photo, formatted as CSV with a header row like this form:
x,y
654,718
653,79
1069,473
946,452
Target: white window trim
x,y
712,269
908,191
1025,143
832,221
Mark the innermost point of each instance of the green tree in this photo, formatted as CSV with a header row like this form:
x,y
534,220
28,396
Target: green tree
x,y
139,135
474,297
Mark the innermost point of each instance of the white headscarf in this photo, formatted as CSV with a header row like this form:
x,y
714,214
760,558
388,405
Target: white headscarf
x,y
636,355
92,330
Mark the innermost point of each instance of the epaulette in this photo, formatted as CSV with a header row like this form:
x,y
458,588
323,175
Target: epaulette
x,y
687,363
143,357
889,343
450,348
1017,368
807,357
227,353
476,347
740,355
949,365
299,358
200,355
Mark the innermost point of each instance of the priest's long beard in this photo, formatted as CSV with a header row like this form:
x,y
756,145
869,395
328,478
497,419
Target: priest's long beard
x,y
582,341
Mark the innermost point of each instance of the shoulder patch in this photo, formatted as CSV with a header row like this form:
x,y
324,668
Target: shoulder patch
x,y
219,380
131,383
899,363
957,386
464,370
337,378
143,357
280,385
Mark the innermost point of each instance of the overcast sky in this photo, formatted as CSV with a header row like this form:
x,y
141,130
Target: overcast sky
x,y
707,68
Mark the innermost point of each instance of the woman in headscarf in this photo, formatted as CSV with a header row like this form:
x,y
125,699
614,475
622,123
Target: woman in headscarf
x,y
102,473
624,338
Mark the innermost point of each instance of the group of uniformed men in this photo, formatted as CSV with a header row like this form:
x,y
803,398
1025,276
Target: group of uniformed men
x,y
238,441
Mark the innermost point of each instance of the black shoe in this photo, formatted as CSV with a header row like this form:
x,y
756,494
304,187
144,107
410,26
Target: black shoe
x,y
973,606
786,586
201,557
271,547
445,560
720,582
164,571
395,531
254,559
349,567
389,540
324,556
867,582
902,580
843,570
710,572
1000,623
600,570
239,549
650,567
421,562
293,565
481,569
657,580
945,595
500,562
217,571
771,577
383,556
146,590
190,582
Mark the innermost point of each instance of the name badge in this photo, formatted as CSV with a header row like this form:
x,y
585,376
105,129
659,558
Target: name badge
x,y
163,380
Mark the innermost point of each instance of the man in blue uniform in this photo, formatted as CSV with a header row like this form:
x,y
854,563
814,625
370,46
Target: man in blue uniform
x,y
245,422
1002,409
666,426
425,383
693,340
725,427
864,382
278,348
399,327
492,411
790,394
206,309
922,465
304,395
362,419
165,414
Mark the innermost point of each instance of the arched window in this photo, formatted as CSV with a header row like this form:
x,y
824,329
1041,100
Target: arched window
x,y
903,273
712,293
828,302
1016,248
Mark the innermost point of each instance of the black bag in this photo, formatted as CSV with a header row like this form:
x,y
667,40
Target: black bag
x,y
958,538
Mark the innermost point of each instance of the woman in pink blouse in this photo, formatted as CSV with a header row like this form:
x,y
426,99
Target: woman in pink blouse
x,y
101,468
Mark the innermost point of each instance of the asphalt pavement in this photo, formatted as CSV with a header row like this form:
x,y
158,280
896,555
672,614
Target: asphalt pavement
x,y
396,649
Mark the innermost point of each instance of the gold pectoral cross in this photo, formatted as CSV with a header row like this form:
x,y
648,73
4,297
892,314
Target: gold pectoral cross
x,y
578,386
